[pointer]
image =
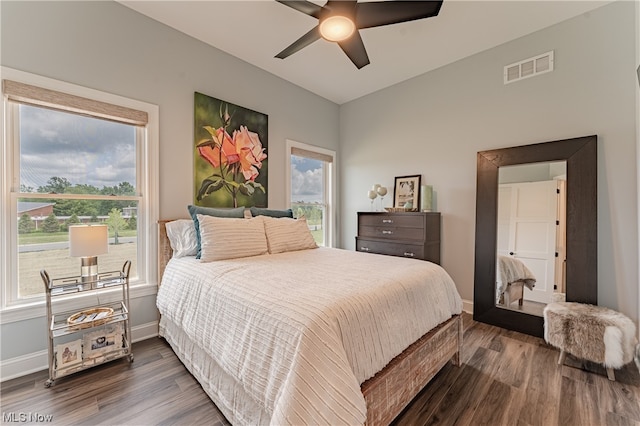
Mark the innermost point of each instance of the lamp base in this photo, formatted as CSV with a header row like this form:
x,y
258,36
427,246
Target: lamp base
x,y
89,269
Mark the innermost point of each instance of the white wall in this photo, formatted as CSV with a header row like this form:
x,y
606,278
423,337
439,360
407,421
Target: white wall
x,y
435,124
106,46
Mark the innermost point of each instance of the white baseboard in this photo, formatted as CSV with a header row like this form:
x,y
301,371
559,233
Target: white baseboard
x,y
23,365
37,361
144,331
467,306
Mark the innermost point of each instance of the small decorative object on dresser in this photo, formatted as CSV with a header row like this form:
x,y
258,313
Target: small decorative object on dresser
x,y
372,194
405,234
406,191
382,191
426,197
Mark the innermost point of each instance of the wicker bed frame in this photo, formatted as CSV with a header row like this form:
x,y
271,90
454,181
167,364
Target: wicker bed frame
x,y
393,387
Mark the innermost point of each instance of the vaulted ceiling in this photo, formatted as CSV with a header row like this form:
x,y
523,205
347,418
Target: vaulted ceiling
x,y
255,31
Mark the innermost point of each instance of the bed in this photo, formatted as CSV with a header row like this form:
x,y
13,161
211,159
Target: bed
x,y
321,380
512,277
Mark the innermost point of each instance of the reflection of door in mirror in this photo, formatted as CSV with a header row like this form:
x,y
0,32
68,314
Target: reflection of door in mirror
x,y
530,236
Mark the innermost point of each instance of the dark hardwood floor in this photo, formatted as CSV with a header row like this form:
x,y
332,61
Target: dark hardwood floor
x,y
507,378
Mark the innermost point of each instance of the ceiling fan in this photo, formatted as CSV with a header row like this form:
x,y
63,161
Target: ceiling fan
x,y
340,20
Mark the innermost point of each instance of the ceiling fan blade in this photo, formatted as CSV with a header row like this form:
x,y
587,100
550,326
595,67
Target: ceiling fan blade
x,y
304,41
305,7
354,49
333,6
377,14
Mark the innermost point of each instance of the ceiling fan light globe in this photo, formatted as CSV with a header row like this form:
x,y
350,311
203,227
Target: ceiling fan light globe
x,y
337,28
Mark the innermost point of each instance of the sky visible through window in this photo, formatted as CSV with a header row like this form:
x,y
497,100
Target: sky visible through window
x,y
306,180
96,152
83,150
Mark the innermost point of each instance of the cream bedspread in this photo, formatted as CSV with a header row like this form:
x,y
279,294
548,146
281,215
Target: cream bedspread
x,y
302,330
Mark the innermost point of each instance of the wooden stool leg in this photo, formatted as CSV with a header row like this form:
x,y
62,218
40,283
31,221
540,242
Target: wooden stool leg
x,y
610,374
563,354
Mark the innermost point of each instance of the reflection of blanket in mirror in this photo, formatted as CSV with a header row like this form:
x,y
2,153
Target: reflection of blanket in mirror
x,y
511,270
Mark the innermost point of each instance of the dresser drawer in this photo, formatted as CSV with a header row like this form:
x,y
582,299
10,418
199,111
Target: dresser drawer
x,y
415,251
392,233
415,235
396,220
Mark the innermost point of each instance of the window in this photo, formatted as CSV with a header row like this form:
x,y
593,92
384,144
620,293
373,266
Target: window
x,y
311,177
72,159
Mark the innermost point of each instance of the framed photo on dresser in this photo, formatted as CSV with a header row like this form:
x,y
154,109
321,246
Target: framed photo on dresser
x,y
406,192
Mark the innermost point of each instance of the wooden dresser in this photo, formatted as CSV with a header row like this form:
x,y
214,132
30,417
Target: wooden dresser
x,y
408,234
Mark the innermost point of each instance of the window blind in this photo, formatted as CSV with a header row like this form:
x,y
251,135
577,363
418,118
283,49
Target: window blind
x,y
38,96
299,152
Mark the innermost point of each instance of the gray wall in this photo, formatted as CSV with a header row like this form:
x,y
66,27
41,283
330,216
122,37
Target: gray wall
x,y
109,47
431,125
435,123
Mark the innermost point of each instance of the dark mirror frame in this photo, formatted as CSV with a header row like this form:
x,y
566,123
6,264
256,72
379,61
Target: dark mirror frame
x,y
582,227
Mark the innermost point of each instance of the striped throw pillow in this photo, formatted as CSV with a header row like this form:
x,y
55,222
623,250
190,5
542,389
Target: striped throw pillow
x,y
225,238
284,234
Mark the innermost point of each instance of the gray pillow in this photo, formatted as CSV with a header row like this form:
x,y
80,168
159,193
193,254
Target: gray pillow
x,y
194,211
256,211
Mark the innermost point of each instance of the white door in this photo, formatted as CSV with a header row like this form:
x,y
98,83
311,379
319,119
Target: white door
x,y
531,236
504,218
561,239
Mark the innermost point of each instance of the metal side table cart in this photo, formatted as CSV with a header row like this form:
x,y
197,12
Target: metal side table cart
x,y
94,335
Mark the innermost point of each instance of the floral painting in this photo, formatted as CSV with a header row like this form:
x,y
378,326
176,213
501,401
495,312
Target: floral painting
x,y
230,150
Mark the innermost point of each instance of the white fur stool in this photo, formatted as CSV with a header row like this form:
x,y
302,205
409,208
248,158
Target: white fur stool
x,y
593,333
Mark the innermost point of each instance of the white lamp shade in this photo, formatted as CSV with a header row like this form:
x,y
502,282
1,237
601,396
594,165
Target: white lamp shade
x,y
88,240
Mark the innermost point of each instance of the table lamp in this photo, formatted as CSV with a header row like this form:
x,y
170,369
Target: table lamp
x,y
87,242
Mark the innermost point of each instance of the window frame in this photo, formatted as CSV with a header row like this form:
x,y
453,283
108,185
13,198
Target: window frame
x,y
14,309
329,175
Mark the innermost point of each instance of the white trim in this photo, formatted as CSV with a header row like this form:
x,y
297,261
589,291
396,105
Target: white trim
x,y
23,365
37,361
148,187
331,202
467,306
73,89
144,331
37,309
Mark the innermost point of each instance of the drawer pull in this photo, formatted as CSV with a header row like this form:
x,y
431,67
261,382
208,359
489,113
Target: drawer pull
x,y
384,231
387,220
409,254
364,248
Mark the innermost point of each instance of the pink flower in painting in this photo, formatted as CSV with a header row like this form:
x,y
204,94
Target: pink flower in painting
x,y
250,152
211,152
236,160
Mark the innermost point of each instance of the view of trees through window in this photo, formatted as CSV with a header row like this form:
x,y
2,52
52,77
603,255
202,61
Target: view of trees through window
x,y
73,170
43,226
307,194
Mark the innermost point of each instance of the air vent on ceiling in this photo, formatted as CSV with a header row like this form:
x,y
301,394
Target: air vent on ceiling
x,y
529,67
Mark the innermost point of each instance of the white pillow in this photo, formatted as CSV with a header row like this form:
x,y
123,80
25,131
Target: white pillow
x,y
286,234
182,237
227,238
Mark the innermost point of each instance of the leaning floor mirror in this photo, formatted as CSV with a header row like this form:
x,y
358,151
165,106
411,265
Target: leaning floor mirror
x,y
536,231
